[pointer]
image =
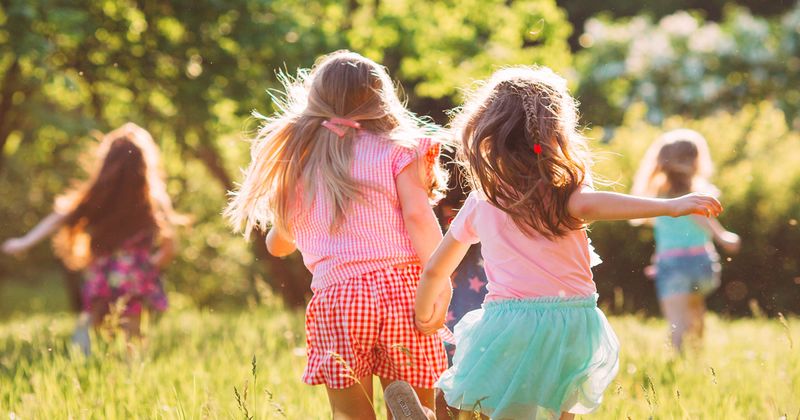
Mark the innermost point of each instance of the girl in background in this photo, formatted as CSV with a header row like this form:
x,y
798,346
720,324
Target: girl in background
x,y
539,346
346,174
117,228
686,265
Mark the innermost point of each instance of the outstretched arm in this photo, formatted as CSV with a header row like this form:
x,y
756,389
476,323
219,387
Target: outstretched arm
x,y
434,290
421,223
728,240
45,228
280,243
588,204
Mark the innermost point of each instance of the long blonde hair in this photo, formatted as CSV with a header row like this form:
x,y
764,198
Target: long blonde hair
x,y
521,148
678,162
294,150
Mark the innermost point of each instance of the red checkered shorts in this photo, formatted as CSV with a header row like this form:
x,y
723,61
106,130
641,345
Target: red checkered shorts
x,y
365,326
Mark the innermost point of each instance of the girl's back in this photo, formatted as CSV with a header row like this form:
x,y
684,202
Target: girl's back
x,y
332,176
539,346
519,265
372,234
673,233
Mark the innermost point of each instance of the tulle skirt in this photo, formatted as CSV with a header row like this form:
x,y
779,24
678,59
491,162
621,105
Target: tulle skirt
x,y
532,358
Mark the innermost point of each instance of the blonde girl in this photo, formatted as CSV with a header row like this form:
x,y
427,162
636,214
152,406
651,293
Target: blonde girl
x,y
539,347
686,265
344,173
117,228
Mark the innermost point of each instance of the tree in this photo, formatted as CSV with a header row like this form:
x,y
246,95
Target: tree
x,y
191,73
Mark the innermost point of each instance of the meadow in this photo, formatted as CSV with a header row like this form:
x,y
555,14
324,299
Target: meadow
x,y
246,363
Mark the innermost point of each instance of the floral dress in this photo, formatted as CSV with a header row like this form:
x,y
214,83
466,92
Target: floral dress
x,y
126,273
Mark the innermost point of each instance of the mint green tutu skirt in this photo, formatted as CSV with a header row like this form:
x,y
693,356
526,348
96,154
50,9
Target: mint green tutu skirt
x,y
532,358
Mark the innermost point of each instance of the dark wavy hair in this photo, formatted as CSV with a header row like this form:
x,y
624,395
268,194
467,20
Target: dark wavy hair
x,y
125,196
517,110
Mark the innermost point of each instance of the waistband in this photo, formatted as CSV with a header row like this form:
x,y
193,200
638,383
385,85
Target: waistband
x,y
683,252
398,270
543,302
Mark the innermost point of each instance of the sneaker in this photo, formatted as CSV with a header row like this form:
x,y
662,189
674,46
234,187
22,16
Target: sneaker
x,y
403,402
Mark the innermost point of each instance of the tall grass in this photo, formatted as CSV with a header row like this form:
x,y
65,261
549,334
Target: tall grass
x,y
204,364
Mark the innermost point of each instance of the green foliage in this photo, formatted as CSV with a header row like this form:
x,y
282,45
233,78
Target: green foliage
x,y
191,72
687,66
752,150
194,360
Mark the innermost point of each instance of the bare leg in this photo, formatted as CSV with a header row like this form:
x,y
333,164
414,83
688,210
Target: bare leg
x,y
425,396
697,312
131,324
443,411
352,403
677,312
567,416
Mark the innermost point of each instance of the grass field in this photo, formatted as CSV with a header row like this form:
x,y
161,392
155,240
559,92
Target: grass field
x,y
195,362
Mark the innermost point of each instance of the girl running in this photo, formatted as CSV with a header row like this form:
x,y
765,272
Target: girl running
x,y
686,265
117,228
346,174
539,347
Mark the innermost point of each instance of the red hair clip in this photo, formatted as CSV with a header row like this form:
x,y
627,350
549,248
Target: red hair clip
x,y
537,148
334,124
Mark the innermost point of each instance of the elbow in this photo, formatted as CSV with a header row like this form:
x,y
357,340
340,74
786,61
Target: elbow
x,y
580,209
429,273
279,251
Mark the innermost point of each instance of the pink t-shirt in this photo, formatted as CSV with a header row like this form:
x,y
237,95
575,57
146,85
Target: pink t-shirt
x,y
372,235
518,266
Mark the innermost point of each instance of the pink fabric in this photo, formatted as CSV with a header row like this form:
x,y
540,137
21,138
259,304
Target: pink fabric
x,y
372,235
518,266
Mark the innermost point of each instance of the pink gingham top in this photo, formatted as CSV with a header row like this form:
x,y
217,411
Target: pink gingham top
x,y
372,235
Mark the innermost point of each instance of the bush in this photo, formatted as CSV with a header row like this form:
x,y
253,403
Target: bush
x,y
757,171
687,66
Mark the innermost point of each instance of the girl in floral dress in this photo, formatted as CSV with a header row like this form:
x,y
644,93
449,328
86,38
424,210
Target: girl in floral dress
x,y
117,228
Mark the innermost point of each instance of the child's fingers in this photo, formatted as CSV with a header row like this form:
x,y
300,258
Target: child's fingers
x,y
430,326
426,327
706,206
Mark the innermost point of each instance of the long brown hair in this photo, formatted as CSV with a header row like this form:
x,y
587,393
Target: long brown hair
x,y
499,127
124,196
293,149
678,162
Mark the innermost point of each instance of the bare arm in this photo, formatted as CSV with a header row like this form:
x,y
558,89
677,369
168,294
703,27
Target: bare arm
x,y
728,240
434,290
421,223
280,243
588,204
165,253
45,228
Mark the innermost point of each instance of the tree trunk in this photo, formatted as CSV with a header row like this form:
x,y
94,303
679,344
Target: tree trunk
x,y
9,87
287,277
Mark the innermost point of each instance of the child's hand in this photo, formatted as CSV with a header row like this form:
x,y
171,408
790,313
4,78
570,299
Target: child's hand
x,y
730,242
700,204
439,314
15,246
650,271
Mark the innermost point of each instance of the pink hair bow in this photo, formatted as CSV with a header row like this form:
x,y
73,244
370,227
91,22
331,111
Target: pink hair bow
x,y
336,124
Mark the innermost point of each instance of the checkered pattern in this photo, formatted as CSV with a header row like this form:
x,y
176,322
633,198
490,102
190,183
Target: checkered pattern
x,y
372,235
365,326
